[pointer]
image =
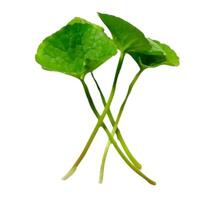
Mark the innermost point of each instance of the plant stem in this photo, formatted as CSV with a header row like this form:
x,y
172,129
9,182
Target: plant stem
x,y
135,169
101,174
118,132
110,135
92,105
100,120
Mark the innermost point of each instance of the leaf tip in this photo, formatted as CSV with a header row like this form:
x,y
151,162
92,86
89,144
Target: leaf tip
x,y
100,15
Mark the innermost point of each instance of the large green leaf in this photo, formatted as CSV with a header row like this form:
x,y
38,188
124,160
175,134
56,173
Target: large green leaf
x,y
127,37
146,52
76,49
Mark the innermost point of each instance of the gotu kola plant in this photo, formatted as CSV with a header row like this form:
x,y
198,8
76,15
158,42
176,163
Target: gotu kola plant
x,y
80,47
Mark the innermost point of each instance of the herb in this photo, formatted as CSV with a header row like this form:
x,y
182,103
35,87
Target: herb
x,y
80,47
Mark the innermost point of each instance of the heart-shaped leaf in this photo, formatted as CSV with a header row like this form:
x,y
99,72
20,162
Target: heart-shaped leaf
x,y
146,52
76,49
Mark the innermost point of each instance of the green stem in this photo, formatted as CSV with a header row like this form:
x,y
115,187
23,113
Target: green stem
x,y
101,174
100,120
111,138
135,169
118,132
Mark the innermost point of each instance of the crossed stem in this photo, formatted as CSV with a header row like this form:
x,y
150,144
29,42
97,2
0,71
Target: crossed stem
x,y
117,131
114,130
120,138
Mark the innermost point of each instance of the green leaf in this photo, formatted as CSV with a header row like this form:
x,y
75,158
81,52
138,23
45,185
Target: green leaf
x,y
171,57
160,54
127,37
76,49
146,52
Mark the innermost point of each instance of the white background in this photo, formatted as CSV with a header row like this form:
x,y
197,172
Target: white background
x,y
171,121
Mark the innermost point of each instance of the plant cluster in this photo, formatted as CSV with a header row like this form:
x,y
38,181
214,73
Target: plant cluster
x,y
80,47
